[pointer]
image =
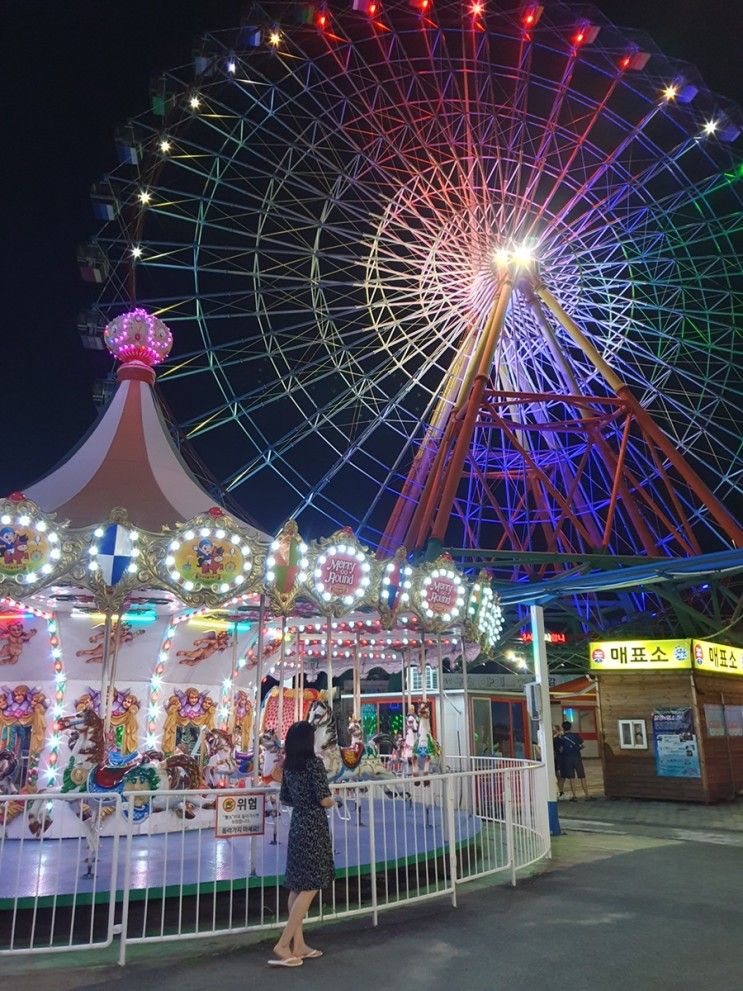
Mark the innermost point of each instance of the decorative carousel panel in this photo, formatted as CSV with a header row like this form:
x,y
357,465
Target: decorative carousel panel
x,y
342,573
484,615
134,641
24,719
491,622
286,568
208,560
34,549
113,561
396,584
439,594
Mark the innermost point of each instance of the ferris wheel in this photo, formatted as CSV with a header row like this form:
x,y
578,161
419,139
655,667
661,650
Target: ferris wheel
x,y
333,210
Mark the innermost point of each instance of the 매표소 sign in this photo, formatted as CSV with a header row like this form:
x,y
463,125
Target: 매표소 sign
x,y
240,814
640,655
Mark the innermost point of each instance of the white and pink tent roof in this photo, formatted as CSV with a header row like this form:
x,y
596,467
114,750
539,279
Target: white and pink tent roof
x,y
128,459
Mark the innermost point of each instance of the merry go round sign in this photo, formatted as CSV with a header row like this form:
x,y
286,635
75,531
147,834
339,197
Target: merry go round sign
x,y
441,596
341,575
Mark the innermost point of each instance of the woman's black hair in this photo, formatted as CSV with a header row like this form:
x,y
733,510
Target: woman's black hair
x,y
299,746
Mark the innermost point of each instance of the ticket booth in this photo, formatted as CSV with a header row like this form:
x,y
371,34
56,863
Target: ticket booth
x,y
670,718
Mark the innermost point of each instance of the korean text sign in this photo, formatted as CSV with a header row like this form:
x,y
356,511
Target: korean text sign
x,y
240,814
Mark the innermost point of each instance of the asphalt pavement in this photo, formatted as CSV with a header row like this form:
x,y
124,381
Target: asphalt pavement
x,y
616,908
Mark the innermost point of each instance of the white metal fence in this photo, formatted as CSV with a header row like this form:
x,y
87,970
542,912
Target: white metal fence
x,y
167,877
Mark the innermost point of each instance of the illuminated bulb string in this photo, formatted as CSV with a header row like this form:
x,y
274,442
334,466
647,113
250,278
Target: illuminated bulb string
x,y
60,684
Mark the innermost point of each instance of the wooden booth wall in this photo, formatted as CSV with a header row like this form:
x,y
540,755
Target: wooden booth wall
x,y
723,755
631,773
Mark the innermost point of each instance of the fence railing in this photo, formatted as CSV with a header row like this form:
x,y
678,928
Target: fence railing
x,y
96,868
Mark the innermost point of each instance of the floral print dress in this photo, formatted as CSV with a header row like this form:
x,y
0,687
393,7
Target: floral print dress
x,y
309,856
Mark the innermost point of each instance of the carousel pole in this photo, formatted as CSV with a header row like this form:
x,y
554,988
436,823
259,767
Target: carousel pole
x,y
329,660
297,703
356,681
230,718
442,700
465,688
282,658
258,678
301,679
423,668
106,674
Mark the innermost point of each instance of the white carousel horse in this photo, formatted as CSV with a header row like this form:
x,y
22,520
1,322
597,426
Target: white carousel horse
x,y
107,774
272,771
411,735
356,762
220,758
425,745
8,765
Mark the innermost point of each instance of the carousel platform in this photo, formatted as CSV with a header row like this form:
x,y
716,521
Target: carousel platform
x,y
168,863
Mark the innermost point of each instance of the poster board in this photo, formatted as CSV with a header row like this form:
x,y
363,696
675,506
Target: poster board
x,y
675,743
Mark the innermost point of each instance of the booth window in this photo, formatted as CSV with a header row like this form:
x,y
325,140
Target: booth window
x,y
632,734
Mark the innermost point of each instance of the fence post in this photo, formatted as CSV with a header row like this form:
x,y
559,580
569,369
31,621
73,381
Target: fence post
x,y
372,855
452,831
125,880
510,850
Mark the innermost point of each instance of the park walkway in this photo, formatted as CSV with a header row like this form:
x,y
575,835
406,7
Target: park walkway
x,y
614,909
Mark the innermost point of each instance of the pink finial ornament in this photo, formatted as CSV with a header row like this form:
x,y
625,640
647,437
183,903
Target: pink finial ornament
x,y
138,336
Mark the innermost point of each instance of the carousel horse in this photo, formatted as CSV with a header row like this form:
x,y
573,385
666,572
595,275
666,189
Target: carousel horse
x,y
356,762
221,762
107,773
425,745
409,739
8,765
272,768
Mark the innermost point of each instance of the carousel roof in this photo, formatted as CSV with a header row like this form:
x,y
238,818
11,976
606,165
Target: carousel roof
x,y
128,458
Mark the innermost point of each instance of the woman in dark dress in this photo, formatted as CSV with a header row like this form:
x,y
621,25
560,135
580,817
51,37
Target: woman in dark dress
x,y
309,856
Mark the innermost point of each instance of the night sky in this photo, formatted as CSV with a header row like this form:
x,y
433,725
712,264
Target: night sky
x,y
73,70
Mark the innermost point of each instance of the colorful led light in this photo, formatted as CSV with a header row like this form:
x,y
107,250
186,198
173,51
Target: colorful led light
x,y
138,336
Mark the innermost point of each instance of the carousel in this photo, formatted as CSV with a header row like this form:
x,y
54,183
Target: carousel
x,y
141,622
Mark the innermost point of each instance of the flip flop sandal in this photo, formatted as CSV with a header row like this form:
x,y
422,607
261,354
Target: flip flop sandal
x,y
312,955
288,962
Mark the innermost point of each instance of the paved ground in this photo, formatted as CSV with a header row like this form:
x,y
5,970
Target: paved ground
x,y
616,909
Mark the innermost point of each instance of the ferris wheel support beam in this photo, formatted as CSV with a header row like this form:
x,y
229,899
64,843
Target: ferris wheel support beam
x,y
619,486
644,420
475,384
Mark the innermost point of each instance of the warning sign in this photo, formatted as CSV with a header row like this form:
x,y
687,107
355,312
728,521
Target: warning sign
x,y
240,814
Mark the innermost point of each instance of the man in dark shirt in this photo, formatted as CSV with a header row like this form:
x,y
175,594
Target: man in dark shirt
x,y
570,762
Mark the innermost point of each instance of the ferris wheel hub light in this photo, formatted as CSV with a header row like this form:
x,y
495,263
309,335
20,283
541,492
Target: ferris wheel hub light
x,y
523,254
670,92
710,127
274,38
165,147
